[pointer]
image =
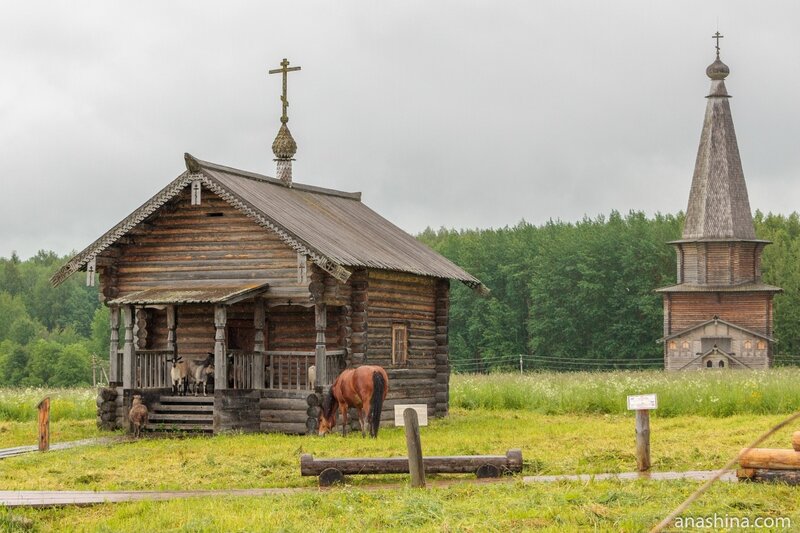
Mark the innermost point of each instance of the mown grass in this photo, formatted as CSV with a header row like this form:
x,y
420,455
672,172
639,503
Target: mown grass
x,y
551,444
595,506
711,394
19,404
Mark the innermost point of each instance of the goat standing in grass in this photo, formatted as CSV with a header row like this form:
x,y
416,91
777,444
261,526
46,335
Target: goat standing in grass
x,y
138,415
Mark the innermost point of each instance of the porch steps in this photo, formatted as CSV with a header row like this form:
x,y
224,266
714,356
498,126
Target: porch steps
x,y
182,413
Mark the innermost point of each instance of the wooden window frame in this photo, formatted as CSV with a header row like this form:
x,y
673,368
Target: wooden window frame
x,y
399,353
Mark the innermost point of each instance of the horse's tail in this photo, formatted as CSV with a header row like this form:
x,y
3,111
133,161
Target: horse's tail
x,y
376,403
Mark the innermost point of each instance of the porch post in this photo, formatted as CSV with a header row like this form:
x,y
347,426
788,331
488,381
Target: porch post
x,y
259,321
320,323
113,346
220,357
128,349
171,323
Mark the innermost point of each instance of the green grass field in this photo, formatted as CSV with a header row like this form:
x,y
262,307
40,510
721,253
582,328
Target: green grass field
x,y
583,431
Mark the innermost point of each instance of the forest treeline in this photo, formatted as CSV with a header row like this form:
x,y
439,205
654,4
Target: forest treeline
x,y
565,291
560,291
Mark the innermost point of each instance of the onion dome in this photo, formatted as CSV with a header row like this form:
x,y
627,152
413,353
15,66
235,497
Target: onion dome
x,y
284,146
718,70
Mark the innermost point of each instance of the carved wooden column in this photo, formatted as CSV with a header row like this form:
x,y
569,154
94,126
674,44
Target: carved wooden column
x,y
259,321
317,290
140,329
128,349
320,323
220,356
113,366
172,323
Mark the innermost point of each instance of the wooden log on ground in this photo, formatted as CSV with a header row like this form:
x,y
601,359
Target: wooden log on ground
x,y
770,458
283,404
789,477
284,427
458,464
796,441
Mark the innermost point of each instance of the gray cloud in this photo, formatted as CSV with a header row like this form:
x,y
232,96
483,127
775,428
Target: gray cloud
x,y
446,113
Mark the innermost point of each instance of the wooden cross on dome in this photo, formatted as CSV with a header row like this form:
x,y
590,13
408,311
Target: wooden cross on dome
x,y
284,70
716,36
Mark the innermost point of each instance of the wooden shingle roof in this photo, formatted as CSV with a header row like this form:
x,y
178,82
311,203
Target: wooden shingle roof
x,y
334,228
719,207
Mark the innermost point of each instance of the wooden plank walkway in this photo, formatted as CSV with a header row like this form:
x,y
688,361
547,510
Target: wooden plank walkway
x,y
53,498
694,475
19,450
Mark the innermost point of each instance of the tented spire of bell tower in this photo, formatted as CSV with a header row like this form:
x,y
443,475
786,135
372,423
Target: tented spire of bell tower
x,y
718,204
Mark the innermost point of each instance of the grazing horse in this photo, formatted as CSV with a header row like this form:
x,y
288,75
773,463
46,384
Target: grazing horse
x,y
365,389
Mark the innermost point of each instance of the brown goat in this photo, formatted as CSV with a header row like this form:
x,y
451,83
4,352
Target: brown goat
x,y
138,415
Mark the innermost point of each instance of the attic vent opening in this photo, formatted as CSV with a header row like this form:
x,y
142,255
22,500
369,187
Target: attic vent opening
x,y
215,214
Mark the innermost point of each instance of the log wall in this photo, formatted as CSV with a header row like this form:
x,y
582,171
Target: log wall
x,y
399,298
719,263
202,244
746,309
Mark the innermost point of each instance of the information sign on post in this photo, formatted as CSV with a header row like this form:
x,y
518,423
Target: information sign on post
x,y
642,404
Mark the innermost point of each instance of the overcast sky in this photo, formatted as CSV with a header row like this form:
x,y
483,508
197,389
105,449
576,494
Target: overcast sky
x,y
443,113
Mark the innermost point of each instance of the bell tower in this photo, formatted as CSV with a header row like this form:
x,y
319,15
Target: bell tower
x,y
719,315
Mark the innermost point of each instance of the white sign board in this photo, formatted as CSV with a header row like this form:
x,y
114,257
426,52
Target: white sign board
x,y
420,408
642,402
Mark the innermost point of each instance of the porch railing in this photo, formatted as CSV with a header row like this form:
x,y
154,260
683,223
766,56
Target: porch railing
x,y
152,369
242,370
289,370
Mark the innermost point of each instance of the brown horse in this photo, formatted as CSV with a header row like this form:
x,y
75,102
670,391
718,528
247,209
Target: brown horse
x,y
365,389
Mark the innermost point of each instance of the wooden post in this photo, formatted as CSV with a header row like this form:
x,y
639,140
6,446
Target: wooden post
x,y
259,322
128,350
172,324
44,424
320,323
642,440
113,346
415,464
220,356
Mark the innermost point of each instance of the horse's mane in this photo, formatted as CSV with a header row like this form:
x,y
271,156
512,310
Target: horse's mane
x,y
328,404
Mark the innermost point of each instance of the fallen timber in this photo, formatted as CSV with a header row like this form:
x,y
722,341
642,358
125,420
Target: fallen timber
x,y
483,466
771,464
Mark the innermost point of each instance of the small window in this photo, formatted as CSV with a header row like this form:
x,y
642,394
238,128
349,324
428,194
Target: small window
x,y
721,364
709,364
761,345
399,344
673,345
748,345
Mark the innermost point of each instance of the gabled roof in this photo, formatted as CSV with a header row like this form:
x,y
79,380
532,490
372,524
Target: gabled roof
x,y
719,207
716,320
712,350
332,227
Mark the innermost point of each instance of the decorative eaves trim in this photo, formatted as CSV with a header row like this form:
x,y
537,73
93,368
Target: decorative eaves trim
x,y
170,191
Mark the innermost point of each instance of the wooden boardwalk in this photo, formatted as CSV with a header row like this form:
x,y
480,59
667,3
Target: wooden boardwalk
x,y
19,450
55,498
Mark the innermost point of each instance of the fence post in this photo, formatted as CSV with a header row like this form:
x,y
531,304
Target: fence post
x,y
44,424
643,440
520,363
415,465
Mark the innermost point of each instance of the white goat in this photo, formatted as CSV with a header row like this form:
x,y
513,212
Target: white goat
x,y
179,375
312,377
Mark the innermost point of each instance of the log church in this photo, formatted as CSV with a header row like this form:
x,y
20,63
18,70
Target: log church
x,y
265,277
719,314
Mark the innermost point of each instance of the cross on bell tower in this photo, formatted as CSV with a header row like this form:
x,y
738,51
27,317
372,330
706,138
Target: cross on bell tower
x,y
716,36
284,146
